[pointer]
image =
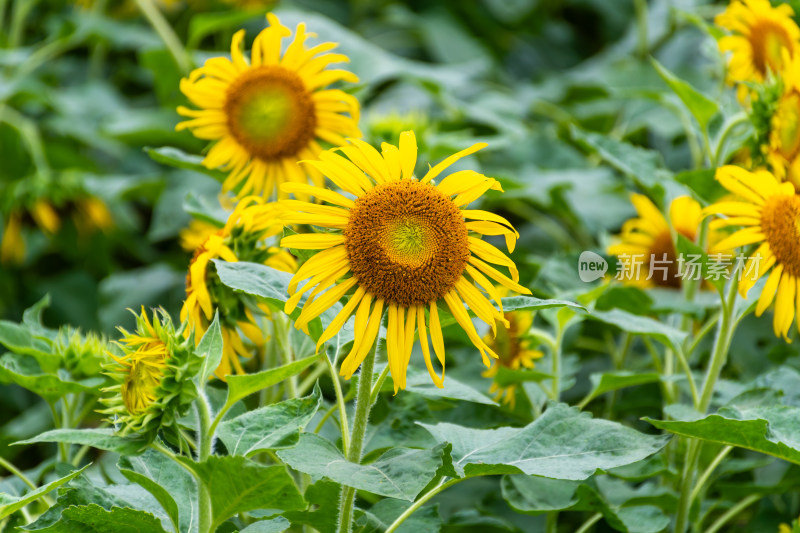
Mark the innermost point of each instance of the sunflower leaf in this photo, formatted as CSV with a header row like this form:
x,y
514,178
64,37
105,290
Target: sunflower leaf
x,y
210,349
9,504
699,105
561,444
641,325
242,386
100,438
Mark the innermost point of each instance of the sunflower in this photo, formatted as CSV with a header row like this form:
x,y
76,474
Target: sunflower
x,y
647,243
196,234
243,238
152,378
760,35
268,114
769,211
12,247
783,151
514,349
403,245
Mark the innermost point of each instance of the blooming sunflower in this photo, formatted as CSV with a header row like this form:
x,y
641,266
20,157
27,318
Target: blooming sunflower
x,y
404,244
760,35
514,349
770,213
268,114
648,241
242,238
152,379
783,152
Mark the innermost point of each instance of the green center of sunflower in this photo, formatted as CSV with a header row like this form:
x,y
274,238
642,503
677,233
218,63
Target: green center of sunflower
x,y
788,125
780,221
270,112
406,242
768,40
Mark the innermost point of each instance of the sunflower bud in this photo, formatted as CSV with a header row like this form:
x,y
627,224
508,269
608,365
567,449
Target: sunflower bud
x,y
152,378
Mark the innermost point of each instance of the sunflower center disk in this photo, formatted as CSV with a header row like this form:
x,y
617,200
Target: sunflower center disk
x,y
270,112
662,262
768,40
406,243
780,221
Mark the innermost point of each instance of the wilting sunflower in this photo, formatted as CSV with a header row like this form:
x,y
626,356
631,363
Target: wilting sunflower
x,y
783,152
267,114
403,245
770,213
647,241
515,350
243,238
153,376
760,36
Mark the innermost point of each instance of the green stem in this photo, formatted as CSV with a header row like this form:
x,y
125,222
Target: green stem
x,y
14,471
62,446
640,7
376,389
703,479
420,502
19,13
357,437
204,446
309,381
551,522
556,369
718,357
733,511
589,523
167,34
281,330
3,8
727,129
337,387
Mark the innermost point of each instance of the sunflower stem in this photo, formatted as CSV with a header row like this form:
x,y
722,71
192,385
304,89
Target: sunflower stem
x,y
337,387
442,485
204,446
719,356
556,370
363,404
167,34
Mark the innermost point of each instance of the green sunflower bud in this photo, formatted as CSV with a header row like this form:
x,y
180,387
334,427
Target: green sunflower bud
x,y
82,354
152,377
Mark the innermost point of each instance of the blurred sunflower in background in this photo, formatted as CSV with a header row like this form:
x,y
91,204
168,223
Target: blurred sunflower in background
x,y
266,114
403,245
783,149
646,243
515,350
769,212
762,37
244,237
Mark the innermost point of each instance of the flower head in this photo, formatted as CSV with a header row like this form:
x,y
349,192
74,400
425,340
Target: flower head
x,y
153,376
514,349
267,113
769,212
404,245
648,240
783,149
243,238
761,38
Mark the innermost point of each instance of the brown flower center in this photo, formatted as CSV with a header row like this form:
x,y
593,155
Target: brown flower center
x,y
406,242
662,262
270,112
780,221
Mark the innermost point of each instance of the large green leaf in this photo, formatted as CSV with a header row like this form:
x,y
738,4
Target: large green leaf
x,y
10,504
699,105
173,487
24,371
419,381
242,386
561,444
102,439
531,303
270,427
398,473
272,525
238,485
641,325
769,429
323,506
93,518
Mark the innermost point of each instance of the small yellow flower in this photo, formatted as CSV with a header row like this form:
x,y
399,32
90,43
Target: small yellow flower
x,y
769,211
45,216
404,245
514,349
243,238
783,151
761,38
196,234
266,114
92,214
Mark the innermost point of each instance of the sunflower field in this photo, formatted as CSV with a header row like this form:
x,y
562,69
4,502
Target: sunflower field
x,y
526,266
